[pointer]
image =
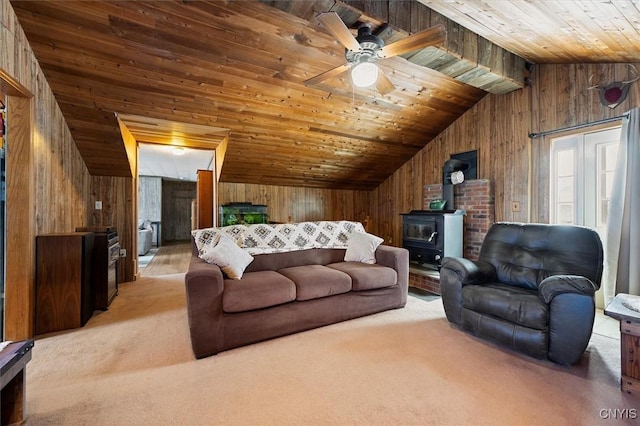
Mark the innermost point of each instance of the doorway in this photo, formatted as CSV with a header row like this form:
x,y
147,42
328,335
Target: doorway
x,y
167,177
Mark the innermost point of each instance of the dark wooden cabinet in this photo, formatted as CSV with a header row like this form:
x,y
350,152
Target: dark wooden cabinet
x,y
106,251
104,265
64,297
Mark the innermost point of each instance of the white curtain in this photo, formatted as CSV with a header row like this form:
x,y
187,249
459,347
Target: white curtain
x,y
622,245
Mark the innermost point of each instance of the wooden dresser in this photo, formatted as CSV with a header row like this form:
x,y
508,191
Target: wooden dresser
x,y
64,297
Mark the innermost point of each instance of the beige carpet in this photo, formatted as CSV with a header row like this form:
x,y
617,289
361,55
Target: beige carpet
x,y
132,365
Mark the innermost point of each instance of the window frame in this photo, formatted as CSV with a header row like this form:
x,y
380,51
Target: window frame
x,y
587,173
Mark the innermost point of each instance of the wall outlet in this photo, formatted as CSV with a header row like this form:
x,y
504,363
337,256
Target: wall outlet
x,y
123,252
515,206
98,205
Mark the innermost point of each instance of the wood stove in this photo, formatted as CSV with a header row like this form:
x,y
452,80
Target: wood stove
x,y
430,235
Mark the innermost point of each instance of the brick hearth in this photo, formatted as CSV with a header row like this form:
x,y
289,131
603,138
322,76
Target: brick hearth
x,y
475,197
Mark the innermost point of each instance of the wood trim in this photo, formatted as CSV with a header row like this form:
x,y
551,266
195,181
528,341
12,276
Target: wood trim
x,y
129,235
20,239
205,198
220,152
11,87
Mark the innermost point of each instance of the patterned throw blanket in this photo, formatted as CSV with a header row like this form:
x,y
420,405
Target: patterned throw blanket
x,y
279,238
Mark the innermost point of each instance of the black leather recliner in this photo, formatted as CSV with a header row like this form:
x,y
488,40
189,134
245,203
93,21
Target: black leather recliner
x,y
532,289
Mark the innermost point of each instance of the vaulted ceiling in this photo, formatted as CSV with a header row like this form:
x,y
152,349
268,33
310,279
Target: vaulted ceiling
x,y
235,71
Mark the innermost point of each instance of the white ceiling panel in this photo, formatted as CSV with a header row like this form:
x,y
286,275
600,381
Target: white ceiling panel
x,y
162,161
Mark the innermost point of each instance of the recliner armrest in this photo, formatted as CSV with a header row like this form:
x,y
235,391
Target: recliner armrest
x,y
470,272
554,285
571,315
455,273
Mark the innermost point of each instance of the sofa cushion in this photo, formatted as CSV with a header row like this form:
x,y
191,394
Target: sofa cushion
x,y
514,304
315,281
365,276
257,290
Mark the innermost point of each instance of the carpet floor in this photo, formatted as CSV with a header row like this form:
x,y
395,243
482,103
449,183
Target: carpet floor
x,y
133,365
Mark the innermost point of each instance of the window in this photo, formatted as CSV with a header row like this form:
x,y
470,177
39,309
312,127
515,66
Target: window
x,y
582,168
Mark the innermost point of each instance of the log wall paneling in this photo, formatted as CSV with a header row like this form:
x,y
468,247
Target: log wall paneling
x,y
176,210
498,127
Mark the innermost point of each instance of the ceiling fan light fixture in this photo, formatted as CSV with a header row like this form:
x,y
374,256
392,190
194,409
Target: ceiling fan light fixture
x,y
178,150
364,74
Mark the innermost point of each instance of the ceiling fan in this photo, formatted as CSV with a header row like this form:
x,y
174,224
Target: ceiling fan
x,y
362,51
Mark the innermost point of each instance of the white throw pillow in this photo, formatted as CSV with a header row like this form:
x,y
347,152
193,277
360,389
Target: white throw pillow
x,y
228,256
362,247
206,238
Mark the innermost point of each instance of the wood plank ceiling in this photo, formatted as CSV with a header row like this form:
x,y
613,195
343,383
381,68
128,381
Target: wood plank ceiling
x,y
237,67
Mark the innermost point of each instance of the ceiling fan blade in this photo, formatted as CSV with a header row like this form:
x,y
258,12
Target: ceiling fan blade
x,y
383,84
434,35
334,72
332,22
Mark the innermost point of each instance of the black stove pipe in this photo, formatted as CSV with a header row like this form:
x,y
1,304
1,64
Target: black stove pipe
x,y
450,166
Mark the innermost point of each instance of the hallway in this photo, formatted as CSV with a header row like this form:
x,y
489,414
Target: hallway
x,y
170,259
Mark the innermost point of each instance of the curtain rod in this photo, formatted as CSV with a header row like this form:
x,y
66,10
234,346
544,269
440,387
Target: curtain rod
x,y
579,126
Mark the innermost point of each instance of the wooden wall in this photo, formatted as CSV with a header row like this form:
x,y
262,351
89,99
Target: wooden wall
x,y
118,210
47,183
498,127
299,204
562,98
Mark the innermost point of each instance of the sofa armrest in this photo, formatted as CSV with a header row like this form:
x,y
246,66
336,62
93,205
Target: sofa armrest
x,y
396,258
204,285
555,285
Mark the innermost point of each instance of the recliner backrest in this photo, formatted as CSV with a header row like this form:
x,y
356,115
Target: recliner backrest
x,y
524,254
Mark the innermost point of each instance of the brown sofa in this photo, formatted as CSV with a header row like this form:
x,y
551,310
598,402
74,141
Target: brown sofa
x,y
284,293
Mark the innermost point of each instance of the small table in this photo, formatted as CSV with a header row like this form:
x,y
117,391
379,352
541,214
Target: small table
x,y
629,339
13,360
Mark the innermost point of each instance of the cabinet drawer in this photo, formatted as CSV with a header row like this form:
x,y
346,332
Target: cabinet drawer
x,y
630,327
